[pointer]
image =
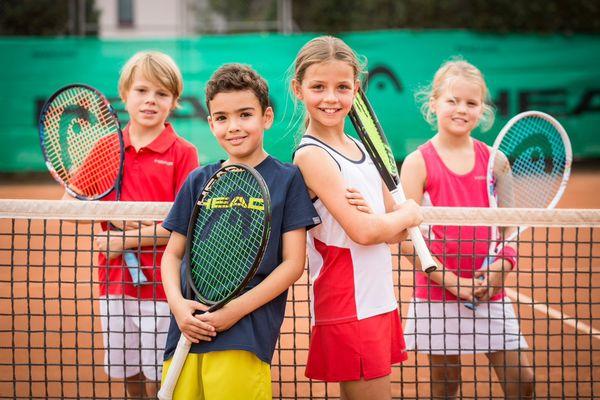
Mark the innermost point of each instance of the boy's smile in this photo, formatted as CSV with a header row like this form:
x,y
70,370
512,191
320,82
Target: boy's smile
x,y
236,140
238,122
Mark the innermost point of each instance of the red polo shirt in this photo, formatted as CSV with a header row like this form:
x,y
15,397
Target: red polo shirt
x,y
154,173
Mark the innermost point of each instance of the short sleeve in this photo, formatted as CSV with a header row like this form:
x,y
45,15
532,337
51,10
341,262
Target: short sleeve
x,y
179,216
299,211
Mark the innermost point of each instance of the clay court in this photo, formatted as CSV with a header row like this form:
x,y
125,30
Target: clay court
x,y
52,342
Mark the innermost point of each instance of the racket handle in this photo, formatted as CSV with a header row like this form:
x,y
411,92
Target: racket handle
x,y
168,385
486,263
428,264
133,265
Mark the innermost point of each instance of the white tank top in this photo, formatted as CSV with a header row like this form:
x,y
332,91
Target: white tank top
x,y
349,281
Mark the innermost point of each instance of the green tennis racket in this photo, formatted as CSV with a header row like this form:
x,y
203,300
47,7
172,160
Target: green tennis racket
x,y
227,237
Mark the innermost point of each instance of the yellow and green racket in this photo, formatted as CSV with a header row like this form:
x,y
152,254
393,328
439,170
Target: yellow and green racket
x,y
371,134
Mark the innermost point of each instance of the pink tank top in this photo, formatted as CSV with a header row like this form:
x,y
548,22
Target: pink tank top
x,y
461,249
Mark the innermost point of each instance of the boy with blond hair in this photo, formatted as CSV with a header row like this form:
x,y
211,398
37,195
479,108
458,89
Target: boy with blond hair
x,y
232,348
135,319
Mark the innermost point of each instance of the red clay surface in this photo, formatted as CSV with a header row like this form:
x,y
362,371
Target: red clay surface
x,y
52,345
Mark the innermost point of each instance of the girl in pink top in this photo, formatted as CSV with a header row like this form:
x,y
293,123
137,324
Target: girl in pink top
x,y
450,170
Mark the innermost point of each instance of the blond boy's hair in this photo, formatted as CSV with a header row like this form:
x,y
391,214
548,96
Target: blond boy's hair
x,y
155,66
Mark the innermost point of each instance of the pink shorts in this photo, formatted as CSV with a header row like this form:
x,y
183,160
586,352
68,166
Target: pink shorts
x,y
358,349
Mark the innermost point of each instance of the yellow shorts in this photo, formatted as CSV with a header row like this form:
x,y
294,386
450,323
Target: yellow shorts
x,y
222,375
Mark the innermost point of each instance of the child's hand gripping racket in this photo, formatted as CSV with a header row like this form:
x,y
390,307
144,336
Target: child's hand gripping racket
x,y
227,237
371,134
529,167
82,144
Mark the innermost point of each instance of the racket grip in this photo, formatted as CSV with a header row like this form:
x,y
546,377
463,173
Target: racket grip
x,y
133,265
486,263
471,306
428,264
168,386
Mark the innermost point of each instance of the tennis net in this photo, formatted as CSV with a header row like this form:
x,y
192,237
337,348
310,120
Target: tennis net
x,y
52,344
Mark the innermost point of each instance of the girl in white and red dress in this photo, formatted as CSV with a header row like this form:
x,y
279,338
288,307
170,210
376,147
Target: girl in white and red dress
x,y
450,170
356,329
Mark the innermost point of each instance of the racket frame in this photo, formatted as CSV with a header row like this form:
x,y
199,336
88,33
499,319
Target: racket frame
x,y
264,239
129,257
388,172
496,245
42,131
184,345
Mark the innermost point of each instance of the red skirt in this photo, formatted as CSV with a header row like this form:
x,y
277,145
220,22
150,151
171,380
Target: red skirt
x,y
358,349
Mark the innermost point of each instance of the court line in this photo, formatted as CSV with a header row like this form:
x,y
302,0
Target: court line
x,y
552,313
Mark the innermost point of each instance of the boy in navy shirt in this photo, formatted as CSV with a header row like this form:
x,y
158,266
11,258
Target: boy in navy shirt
x,y
233,346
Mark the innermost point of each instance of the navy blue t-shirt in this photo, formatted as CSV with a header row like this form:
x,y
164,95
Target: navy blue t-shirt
x,y
291,209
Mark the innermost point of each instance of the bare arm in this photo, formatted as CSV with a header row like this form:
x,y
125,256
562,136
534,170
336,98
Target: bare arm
x,y
390,205
136,233
357,200
414,177
286,273
115,241
324,179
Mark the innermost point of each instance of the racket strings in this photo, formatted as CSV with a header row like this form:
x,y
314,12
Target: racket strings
x,y
226,240
378,142
537,160
224,272
82,141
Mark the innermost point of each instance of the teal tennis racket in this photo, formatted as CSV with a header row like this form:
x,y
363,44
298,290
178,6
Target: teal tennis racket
x,y
371,135
227,237
529,167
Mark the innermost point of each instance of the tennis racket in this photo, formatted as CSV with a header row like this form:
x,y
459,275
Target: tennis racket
x,y
227,237
529,167
82,143
371,134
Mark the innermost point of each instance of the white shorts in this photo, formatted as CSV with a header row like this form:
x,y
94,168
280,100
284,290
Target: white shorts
x,y
450,328
134,333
